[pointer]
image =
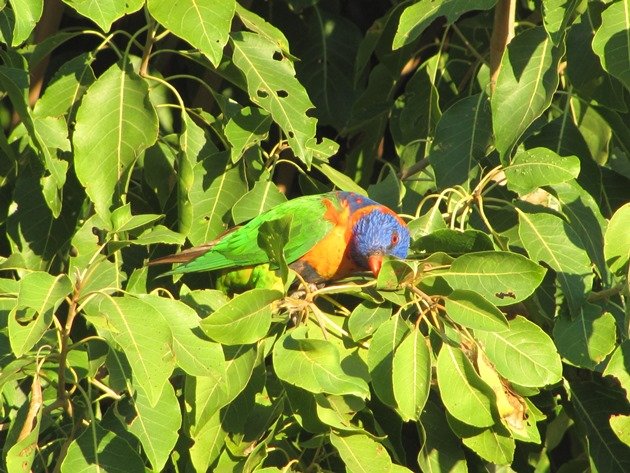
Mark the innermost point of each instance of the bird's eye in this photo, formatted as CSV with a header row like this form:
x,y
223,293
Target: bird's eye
x,y
395,238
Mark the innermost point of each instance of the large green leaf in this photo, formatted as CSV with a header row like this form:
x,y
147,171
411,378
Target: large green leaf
x,y
104,12
381,357
156,426
99,450
587,220
525,86
245,319
617,240
550,239
143,335
539,167
360,453
366,318
462,137
27,13
558,14
271,83
39,297
522,353
471,310
493,444
593,405
441,450
465,395
411,375
503,278
209,394
326,69
125,125
314,365
612,41
618,367
246,129
194,353
586,339
415,19
264,196
203,23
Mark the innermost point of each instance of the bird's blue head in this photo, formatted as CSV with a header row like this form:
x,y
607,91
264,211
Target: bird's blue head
x,y
377,233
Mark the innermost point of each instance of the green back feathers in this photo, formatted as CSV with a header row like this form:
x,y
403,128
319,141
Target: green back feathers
x,y
240,248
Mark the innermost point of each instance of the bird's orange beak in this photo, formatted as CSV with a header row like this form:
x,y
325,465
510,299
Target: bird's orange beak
x,y
374,263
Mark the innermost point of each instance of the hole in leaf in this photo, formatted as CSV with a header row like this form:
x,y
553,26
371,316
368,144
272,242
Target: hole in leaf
x,y
282,93
262,94
291,134
277,56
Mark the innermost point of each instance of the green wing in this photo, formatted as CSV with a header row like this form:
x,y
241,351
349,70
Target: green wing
x,y
240,248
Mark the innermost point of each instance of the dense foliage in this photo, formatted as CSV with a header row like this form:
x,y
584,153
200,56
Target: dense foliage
x,y
499,130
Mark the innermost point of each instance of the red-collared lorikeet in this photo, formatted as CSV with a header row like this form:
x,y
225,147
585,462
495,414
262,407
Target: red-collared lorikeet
x,y
331,236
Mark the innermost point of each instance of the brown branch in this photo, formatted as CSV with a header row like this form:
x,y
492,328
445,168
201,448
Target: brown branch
x,y
62,395
502,34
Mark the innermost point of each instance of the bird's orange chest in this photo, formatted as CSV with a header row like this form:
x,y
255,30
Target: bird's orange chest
x,y
330,257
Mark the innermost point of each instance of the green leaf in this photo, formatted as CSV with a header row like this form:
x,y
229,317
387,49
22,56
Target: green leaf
x,y
157,426
587,339
97,449
366,318
470,309
143,335
245,319
124,127
501,277
462,138
27,13
326,48
522,353
104,12
215,189
493,444
209,394
411,375
586,219
271,83
527,81
620,425
617,240
465,395
558,14
360,453
248,127
208,443
264,196
550,239
612,41
339,179
593,405
195,354
617,366
381,357
314,365
258,25
338,411
66,87
205,24
441,450
273,235
539,167
415,18
453,242
39,297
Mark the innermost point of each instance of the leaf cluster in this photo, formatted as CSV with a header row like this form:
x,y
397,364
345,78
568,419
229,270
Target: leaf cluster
x,y
498,130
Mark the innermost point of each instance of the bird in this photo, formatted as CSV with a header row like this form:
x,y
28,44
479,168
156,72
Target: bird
x,y
331,236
